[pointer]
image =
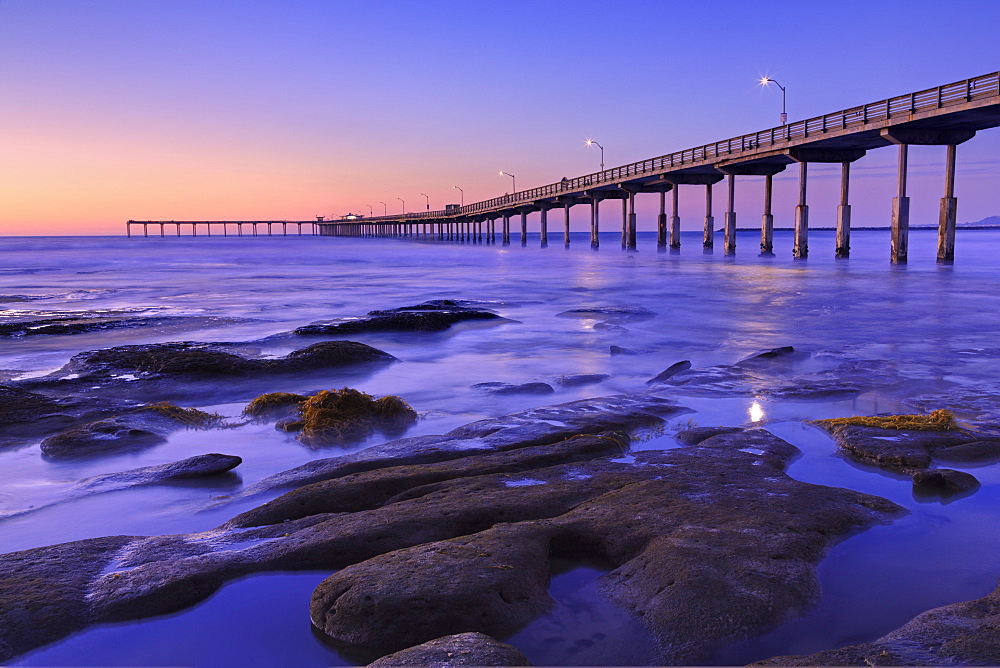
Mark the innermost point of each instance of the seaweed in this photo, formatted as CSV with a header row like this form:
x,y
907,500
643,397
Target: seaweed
x,y
192,417
338,416
274,402
939,420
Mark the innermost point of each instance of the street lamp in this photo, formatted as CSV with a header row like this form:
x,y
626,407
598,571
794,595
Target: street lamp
x,y
591,142
385,209
428,201
404,203
370,212
461,191
766,80
513,180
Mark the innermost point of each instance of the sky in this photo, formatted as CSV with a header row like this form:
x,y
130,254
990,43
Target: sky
x,y
286,109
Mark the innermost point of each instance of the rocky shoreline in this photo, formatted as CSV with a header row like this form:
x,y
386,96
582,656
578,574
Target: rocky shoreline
x,y
442,546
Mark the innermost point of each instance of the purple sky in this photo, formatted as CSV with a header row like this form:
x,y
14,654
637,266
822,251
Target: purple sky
x,y
284,109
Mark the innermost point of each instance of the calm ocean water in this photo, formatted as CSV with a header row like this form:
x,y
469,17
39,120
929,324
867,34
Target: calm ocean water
x,y
939,324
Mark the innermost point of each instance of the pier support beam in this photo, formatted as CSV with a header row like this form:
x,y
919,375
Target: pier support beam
x,y
595,222
506,229
844,213
904,135
567,203
767,220
675,219
800,240
708,237
625,223
948,213
729,231
900,212
661,222
524,227
544,227
631,221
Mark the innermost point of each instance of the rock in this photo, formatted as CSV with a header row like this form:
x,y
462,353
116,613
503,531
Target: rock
x,y
670,371
200,466
962,634
507,388
767,355
493,582
139,365
982,450
577,380
944,481
535,426
708,543
463,649
618,350
101,437
432,316
140,428
903,449
43,592
27,415
618,313
81,325
696,435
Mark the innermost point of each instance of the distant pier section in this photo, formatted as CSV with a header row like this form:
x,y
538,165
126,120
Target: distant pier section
x,y
222,228
946,115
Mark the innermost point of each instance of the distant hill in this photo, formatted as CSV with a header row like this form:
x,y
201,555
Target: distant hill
x,y
988,220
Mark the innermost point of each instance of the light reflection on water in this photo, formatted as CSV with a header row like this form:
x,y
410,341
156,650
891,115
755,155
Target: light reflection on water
x,y
936,321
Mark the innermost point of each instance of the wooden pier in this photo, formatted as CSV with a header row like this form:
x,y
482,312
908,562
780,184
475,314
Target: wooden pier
x,y
947,115
266,227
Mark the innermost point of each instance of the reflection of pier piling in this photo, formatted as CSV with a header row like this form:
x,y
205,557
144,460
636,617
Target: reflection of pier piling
x,y
206,225
944,116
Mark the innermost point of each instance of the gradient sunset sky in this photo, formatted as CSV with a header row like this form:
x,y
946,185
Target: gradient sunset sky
x,y
285,109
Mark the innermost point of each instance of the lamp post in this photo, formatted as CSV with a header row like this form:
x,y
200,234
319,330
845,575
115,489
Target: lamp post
x,y
591,142
370,211
428,201
766,80
513,180
461,191
385,209
404,203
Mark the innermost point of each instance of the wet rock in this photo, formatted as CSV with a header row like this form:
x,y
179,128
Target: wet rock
x,y
945,481
767,355
463,649
978,406
669,372
431,316
580,379
962,634
43,592
709,543
699,553
508,388
535,426
128,365
617,313
200,466
25,415
981,450
370,489
696,435
618,350
140,428
80,325
908,450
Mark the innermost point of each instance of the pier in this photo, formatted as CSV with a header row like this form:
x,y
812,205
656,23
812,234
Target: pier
x,y
253,227
947,115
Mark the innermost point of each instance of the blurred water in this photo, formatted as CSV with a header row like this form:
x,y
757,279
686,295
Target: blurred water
x,y
938,322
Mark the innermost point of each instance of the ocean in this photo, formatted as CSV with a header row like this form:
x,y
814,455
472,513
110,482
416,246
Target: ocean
x,y
936,323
